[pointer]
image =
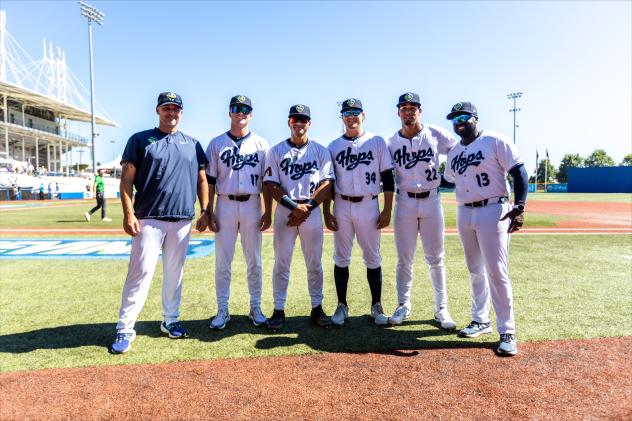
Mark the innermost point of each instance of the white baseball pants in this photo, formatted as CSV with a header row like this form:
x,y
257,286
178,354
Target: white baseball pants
x,y
155,235
311,235
486,245
423,218
244,218
357,220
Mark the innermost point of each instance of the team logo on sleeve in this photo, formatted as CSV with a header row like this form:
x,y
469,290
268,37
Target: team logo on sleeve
x,y
408,160
233,159
460,162
297,171
350,161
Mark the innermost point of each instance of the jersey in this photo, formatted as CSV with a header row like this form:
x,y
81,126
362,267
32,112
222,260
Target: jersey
x,y
358,163
479,169
299,170
416,160
237,166
98,180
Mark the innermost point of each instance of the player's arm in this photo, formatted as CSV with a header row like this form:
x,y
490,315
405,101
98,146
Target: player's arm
x,y
266,218
445,183
126,187
388,187
330,220
203,197
520,188
302,211
210,208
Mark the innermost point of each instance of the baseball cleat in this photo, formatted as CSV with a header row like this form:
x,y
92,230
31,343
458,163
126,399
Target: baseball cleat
x,y
87,216
175,330
475,329
319,317
257,316
377,313
219,321
122,342
106,219
402,312
277,321
340,315
507,344
443,318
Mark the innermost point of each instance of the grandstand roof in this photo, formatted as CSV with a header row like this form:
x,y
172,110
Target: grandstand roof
x,y
49,103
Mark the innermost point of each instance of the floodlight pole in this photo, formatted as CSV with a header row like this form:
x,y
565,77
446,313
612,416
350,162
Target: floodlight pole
x,y
92,14
514,96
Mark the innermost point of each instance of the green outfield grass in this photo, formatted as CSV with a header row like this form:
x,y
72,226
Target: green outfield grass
x,y
58,313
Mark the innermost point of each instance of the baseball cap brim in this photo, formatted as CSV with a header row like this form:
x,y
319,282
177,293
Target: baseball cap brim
x,y
455,113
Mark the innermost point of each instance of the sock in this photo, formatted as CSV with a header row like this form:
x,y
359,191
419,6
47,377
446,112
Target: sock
x,y
341,277
374,276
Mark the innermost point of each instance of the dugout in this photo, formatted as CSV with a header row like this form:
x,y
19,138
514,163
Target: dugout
x,y
600,180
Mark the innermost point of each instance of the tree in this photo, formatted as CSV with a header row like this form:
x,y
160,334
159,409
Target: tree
x,y
627,160
550,171
599,158
568,161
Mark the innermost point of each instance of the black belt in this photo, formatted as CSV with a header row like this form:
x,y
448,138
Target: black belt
x,y
239,198
481,203
422,195
355,199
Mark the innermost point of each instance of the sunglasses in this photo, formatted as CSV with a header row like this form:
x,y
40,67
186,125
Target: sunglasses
x,y
299,119
240,109
350,113
463,118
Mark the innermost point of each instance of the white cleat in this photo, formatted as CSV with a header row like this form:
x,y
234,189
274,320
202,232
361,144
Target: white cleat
x,y
87,216
106,219
340,315
257,316
377,313
443,318
220,320
507,344
402,312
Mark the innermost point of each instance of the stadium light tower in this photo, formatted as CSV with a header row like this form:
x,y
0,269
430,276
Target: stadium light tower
x,y
93,15
514,96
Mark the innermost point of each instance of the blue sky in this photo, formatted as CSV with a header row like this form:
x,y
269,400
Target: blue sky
x,y
571,59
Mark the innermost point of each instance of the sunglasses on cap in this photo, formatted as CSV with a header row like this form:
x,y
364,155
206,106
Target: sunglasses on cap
x,y
463,118
350,113
299,119
240,109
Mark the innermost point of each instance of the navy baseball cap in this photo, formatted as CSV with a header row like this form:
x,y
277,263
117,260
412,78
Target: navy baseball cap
x,y
300,109
240,100
408,98
462,108
166,98
351,104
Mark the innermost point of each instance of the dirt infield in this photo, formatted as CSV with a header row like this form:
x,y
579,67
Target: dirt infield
x,y
586,214
588,379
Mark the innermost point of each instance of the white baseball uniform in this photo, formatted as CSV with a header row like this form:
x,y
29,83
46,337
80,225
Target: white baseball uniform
x,y
237,167
357,165
299,171
416,163
479,171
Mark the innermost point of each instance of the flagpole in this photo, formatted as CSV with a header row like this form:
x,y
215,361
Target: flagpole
x,y
546,167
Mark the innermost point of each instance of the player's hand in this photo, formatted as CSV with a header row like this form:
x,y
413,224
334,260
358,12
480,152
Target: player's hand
x,y
516,219
266,221
131,225
212,222
384,219
202,223
298,215
330,221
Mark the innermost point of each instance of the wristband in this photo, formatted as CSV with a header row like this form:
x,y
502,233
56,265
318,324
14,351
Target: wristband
x,y
288,203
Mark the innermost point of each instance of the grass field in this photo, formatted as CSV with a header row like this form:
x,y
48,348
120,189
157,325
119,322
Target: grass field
x,y
61,313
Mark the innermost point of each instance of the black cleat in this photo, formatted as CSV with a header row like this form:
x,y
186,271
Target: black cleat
x,y
319,317
277,321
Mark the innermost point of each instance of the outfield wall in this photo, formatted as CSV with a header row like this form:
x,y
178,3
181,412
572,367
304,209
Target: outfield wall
x,y
600,180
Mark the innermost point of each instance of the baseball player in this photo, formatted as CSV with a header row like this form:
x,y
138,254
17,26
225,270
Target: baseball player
x,y
167,168
361,162
479,165
415,150
299,175
235,173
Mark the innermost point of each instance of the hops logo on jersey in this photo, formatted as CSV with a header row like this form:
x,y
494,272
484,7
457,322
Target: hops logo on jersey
x,y
232,158
350,161
409,159
460,162
297,171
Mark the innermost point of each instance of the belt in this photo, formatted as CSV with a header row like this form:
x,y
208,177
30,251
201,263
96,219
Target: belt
x,y
239,197
485,202
420,195
355,199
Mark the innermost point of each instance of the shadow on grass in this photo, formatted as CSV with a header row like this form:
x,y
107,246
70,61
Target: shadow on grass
x,y
358,335
64,221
